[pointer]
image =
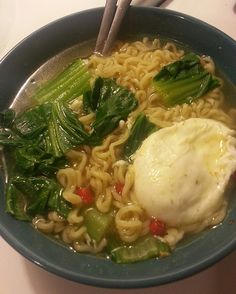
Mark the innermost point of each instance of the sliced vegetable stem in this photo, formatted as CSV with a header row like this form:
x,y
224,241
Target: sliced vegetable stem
x,y
66,86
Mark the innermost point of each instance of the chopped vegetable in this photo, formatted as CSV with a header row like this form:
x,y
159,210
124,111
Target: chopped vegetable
x,y
15,202
10,138
85,194
157,227
33,160
97,223
52,126
91,98
65,131
140,130
119,187
146,248
113,241
32,155
33,122
28,196
184,81
111,103
6,118
71,83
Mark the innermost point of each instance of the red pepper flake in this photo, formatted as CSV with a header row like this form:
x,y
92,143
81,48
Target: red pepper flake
x,y
119,187
85,194
157,227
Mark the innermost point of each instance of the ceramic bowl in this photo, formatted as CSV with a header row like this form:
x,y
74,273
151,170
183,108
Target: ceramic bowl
x,y
17,66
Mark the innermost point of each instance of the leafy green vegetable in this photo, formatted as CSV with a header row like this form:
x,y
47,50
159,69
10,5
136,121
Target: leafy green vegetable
x,y
65,130
115,104
33,160
28,196
6,118
113,241
32,122
57,203
29,125
143,249
91,98
111,104
140,130
69,84
54,127
15,203
10,138
184,81
97,223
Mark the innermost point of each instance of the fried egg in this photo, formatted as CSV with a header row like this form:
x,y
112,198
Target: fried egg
x,y
182,172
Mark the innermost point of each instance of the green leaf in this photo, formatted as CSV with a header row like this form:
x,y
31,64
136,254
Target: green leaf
x,y
32,122
57,203
140,130
7,117
28,196
15,203
184,81
33,160
113,104
9,138
65,130
91,98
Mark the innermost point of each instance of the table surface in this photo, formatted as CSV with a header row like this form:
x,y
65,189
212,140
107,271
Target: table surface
x,y
18,18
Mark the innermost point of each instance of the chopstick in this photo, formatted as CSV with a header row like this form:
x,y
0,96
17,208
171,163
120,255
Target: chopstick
x,y
110,25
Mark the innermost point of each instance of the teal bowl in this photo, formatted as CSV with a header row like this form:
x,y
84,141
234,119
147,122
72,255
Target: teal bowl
x,y
18,65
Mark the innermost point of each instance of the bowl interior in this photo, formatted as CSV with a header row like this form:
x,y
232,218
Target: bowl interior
x,y
189,257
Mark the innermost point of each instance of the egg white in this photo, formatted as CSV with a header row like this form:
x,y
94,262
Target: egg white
x,y
182,171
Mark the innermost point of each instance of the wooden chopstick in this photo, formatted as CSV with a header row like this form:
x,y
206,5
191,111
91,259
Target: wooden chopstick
x,y
110,26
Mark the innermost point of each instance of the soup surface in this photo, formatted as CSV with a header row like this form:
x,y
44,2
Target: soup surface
x,y
131,152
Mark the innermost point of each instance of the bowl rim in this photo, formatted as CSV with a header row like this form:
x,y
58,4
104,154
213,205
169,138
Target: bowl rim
x,y
129,282
133,7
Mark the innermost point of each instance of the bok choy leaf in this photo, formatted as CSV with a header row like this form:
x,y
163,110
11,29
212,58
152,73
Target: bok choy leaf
x,y
184,81
69,84
111,103
65,130
140,130
28,196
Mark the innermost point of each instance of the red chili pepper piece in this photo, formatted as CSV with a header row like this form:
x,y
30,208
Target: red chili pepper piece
x,y
85,194
119,187
157,227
